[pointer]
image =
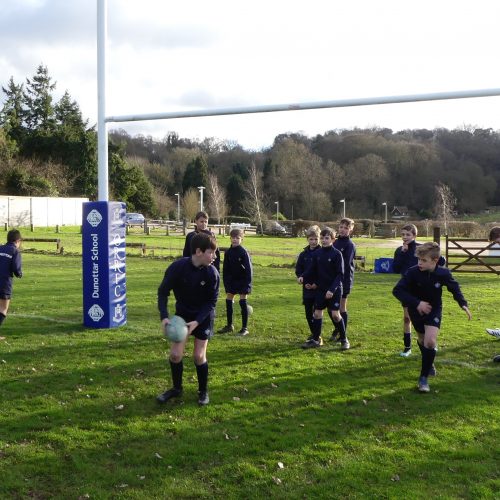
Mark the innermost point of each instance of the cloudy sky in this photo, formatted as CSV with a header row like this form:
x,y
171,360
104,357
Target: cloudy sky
x,y
193,54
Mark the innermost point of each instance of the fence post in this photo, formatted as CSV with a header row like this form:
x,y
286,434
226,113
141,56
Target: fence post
x,y
437,234
168,230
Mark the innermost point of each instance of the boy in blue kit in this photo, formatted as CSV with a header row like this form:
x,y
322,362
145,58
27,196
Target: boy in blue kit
x,y
327,272
195,283
404,258
201,226
347,248
237,277
303,262
421,289
10,266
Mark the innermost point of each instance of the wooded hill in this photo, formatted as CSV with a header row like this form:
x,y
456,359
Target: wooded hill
x,y
46,147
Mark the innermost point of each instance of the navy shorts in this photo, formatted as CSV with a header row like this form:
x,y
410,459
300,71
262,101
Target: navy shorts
x,y
205,330
333,304
5,296
420,322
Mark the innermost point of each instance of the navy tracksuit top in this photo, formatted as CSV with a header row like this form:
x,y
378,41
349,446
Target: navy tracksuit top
x,y
195,288
304,261
347,248
237,272
10,266
326,270
427,286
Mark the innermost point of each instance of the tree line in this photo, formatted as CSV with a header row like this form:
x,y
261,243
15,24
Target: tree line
x,y
46,147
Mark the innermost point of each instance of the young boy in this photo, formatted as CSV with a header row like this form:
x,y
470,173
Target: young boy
x,y
404,258
195,283
237,278
421,289
327,272
494,238
201,226
347,248
303,262
10,266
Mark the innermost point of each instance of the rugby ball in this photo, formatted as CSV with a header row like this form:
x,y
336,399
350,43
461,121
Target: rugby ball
x,y
249,309
176,330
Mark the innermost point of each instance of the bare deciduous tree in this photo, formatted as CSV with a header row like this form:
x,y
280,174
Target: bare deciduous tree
x,y
216,198
445,204
253,192
190,204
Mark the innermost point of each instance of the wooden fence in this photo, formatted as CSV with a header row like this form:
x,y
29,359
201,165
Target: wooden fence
x,y
472,256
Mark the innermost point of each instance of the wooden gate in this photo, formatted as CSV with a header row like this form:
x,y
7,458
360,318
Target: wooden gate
x,y
472,256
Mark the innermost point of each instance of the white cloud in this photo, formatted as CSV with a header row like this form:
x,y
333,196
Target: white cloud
x,y
166,56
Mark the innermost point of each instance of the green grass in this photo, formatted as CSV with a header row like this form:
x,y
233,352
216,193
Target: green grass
x,y
347,425
265,250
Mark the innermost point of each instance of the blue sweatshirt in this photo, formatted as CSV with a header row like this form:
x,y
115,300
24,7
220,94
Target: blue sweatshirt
x,y
347,248
10,266
237,272
195,288
304,261
326,270
427,286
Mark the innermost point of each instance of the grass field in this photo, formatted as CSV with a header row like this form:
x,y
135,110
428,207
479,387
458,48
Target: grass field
x,y
78,416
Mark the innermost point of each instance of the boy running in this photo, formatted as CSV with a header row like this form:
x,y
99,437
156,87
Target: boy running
x,y
421,289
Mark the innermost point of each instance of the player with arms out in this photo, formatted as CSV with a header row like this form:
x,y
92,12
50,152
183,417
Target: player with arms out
x,y
421,289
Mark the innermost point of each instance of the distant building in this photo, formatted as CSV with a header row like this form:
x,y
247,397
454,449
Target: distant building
x,y
400,212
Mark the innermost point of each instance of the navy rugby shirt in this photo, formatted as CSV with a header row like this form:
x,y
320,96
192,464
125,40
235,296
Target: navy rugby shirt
x,y
326,270
404,260
237,269
347,248
304,261
10,265
195,288
427,286
186,252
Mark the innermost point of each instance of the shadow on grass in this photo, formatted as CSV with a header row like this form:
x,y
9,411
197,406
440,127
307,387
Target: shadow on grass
x,y
318,405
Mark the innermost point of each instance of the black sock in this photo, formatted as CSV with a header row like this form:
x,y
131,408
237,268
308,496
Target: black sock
x,y
428,356
309,309
202,372
407,340
340,327
317,324
177,369
229,312
345,317
244,313
2,317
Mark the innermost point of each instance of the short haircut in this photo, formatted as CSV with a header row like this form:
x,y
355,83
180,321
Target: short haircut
x,y
203,241
201,214
313,231
494,233
236,232
348,222
410,227
429,249
328,231
13,235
